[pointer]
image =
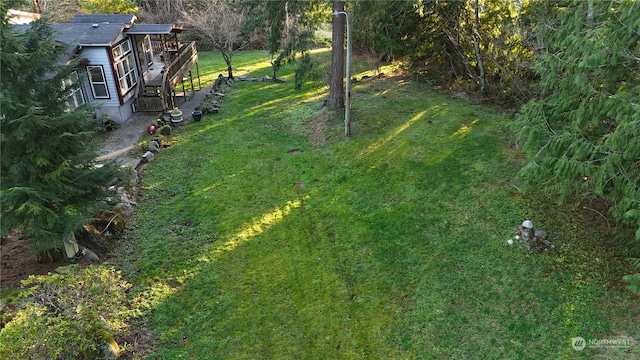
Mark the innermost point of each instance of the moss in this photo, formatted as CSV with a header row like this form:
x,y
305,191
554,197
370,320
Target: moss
x,y
164,130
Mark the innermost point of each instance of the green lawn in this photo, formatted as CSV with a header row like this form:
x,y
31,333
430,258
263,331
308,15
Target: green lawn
x,y
263,233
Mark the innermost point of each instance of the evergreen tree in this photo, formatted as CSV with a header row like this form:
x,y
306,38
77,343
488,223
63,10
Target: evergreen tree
x,y
50,183
583,135
290,27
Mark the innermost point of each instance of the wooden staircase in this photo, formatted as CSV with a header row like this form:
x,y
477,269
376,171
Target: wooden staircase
x,y
154,97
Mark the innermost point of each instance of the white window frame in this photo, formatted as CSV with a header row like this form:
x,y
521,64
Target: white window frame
x,y
72,84
125,66
147,49
95,83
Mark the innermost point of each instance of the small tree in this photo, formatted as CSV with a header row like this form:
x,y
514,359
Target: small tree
x,y
221,26
50,183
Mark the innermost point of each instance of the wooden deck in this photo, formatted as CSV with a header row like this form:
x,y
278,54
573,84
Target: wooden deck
x,y
158,91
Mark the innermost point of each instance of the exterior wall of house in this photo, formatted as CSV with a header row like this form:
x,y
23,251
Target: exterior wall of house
x,y
119,114
111,107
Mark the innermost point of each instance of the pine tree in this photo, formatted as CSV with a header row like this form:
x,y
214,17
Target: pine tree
x,y
583,135
50,183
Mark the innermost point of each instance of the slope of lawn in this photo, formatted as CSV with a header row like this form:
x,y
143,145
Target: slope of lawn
x,y
263,233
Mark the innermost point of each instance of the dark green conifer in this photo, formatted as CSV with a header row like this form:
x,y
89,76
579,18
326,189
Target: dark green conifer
x,y
583,135
50,184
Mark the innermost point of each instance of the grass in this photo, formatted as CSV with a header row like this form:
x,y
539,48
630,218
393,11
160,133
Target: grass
x,y
263,233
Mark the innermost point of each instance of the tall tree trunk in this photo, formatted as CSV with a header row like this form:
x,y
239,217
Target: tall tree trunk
x,y
336,84
476,43
36,7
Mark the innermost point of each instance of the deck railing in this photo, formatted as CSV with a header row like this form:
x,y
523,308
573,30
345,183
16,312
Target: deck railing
x,y
172,76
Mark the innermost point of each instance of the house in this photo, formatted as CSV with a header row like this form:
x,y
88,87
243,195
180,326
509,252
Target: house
x,y
127,67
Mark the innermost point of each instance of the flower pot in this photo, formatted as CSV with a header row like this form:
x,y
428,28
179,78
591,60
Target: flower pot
x,y
197,115
176,116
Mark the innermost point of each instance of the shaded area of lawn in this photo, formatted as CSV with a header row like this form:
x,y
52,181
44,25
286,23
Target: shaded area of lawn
x,y
254,243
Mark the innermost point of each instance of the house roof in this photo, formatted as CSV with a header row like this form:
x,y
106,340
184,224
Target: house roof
x,y
102,29
88,34
104,19
151,29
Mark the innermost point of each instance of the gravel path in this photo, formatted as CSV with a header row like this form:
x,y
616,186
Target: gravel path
x,y
121,141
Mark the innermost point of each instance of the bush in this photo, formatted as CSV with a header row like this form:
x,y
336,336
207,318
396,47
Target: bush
x,y
67,315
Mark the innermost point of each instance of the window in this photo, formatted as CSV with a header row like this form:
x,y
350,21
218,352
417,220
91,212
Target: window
x,y
76,95
125,67
98,82
121,49
147,49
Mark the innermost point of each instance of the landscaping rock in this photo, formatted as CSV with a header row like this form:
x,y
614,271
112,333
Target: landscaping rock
x,y
148,157
85,256
154,146
534,240
132,174
164,130
126,210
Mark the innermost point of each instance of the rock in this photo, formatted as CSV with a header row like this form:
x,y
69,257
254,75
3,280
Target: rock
x,y
110,347
86,256
131,174
154,146
534,240
112,200
124,197
107,348
148,157
126,210
158,140
164,130
218,82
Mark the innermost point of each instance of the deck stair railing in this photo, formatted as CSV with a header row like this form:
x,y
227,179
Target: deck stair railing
x,y
154,97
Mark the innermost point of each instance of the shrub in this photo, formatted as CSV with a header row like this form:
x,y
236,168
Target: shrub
x,y
69,314
164,130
